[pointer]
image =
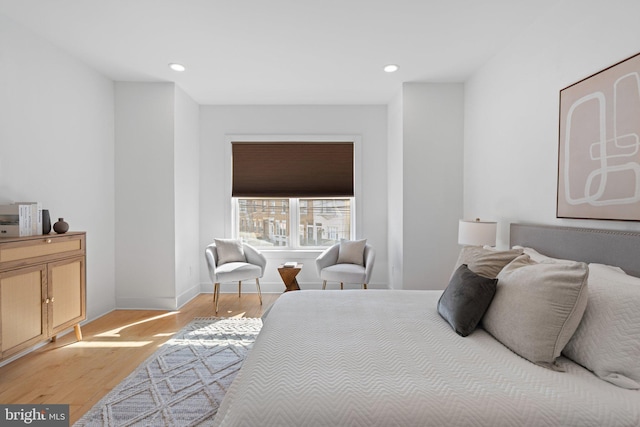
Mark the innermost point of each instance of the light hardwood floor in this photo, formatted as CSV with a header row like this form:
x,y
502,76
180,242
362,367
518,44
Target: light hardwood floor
x,y
81,373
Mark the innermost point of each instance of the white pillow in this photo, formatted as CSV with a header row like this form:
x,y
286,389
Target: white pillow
x,y
538,257
537,307
485,262
229,250
351,252
607,341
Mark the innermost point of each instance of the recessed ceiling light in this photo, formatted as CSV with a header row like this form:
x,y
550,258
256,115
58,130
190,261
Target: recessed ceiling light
x,y
391,68
177,67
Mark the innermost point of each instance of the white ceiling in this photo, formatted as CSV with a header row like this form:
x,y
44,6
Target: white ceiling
x,y
281,51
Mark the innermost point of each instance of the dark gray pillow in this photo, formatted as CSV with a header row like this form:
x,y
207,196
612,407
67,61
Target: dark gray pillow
x,y
466,299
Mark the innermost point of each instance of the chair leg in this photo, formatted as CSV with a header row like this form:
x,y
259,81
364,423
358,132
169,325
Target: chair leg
x,y
324,285
216,295
364,286
239,288
341,286
259,293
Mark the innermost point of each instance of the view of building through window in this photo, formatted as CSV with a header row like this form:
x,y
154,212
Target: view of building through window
x,y
308,222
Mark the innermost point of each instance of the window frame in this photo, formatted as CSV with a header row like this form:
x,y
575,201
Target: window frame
x,y
231,215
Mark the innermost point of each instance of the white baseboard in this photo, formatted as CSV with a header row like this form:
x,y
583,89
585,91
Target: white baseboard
x,y
146,303
188,295
158,303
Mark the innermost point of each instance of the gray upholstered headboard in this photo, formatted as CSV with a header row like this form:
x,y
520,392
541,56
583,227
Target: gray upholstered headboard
x,y
619,248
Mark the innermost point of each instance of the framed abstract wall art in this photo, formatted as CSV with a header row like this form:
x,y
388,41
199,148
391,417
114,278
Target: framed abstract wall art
x,y
599,145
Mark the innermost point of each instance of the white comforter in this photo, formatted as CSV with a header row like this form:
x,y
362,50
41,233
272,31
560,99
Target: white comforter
x,y
386,358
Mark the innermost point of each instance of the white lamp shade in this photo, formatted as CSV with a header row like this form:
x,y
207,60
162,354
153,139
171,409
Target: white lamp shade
x,y
477,233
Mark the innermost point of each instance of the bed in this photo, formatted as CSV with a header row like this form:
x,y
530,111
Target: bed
x,y
388,358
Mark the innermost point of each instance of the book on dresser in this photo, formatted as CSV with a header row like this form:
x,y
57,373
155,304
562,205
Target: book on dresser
x,y
21,219
33,213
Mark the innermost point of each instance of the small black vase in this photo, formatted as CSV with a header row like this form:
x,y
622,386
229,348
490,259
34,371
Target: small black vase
x,y
46,222
61,226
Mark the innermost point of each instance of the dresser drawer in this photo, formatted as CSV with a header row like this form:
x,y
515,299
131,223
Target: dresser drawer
x,y
40,249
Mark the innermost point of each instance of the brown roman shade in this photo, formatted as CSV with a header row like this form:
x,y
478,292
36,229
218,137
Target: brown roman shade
x,y
292,169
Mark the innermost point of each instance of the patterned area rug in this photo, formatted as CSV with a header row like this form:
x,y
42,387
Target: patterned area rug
x,y
184,381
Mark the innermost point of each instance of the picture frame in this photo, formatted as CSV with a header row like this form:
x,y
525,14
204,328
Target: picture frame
x,y
599,145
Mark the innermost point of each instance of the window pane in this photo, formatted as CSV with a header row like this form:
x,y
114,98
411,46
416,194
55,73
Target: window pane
x,y
324,222
264,222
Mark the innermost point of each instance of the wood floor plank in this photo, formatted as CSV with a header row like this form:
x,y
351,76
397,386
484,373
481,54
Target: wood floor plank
x,y
81,373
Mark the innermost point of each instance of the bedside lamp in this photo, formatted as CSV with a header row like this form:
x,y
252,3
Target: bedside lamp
x,y
477,233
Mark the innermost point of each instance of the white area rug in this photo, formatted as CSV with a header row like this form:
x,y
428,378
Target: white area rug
x,y
184,381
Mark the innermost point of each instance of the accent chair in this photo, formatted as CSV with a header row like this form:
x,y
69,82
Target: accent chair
x,y
346,262
231,260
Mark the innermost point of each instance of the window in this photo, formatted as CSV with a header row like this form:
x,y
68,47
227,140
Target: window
x,y
262,226
293,194
293,223
326,221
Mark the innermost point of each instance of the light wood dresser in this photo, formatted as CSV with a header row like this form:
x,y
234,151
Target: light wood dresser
x,y
42,289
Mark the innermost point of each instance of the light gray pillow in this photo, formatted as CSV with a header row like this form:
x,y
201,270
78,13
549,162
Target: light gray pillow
x,y
537,307
351,252
607,341
538,257
229,250
485,262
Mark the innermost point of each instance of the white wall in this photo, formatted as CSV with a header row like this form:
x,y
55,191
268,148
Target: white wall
x,y
369,122
187,197
432,142
395,204
511,110
157,196
144,183
56,146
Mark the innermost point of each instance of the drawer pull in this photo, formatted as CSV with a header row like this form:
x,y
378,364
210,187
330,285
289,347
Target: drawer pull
x,y
48,240
47,301
52,299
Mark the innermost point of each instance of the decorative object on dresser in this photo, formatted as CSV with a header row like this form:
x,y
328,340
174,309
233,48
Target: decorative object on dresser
x,y
42,289
9,221
61,226
46,221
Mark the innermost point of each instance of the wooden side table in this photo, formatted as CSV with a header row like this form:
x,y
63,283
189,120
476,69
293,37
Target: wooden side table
x,y
288,275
